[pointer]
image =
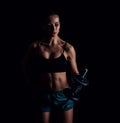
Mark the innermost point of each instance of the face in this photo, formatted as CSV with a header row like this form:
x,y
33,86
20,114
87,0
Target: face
x,y
53,25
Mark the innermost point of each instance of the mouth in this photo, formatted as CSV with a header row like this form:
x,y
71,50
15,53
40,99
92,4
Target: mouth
x,y
54,32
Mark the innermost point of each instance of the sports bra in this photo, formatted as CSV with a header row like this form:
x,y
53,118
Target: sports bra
x,y
58,64
43,65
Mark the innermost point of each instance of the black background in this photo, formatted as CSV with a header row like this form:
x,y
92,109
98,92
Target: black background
x,y
89,26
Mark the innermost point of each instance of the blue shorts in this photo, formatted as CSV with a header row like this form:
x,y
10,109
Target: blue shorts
x,y
55,100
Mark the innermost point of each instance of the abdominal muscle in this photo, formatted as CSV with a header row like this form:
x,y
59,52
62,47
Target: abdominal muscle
x,y
58,81
52,81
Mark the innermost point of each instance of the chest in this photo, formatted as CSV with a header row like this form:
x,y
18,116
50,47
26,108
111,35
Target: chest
x,y
50,52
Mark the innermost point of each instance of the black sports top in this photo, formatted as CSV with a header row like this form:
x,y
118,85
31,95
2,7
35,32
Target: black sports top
x,y
43,65
58,64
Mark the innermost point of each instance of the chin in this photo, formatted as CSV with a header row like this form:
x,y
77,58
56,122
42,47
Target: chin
x,y
54,35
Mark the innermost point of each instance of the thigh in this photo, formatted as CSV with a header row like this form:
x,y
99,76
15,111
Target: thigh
x,y
68,116
45,103
45,117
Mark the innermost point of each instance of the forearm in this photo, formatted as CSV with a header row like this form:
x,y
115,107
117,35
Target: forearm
x,y
25,72
79,82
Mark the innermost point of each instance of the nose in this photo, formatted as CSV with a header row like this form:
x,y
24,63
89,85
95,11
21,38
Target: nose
x,y
52,27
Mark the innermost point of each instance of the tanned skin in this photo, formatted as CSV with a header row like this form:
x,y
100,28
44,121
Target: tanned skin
x,y
51,47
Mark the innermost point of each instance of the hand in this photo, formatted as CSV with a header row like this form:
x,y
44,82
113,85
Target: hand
x,y
78,84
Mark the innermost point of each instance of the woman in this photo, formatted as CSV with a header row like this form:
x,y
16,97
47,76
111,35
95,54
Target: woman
x,y
45,64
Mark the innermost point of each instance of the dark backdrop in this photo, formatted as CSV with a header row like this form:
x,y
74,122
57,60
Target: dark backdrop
x,y
85,25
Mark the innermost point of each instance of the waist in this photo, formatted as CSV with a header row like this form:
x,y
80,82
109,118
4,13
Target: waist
x,y
50,87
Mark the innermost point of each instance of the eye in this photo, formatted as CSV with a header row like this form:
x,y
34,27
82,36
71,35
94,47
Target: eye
x,y
49,26
57,24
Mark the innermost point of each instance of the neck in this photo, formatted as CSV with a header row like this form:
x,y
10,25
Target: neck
x,y
52,40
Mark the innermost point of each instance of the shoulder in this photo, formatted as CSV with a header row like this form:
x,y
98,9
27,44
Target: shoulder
x,y
33,45
68,47
69,50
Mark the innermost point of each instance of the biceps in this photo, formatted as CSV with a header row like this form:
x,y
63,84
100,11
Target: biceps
x,y
73,65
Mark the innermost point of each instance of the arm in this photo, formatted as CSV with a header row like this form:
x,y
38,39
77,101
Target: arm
x,y
71,57
26,61
76,76
78,80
